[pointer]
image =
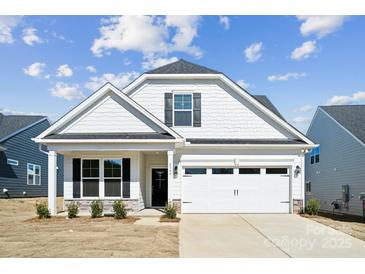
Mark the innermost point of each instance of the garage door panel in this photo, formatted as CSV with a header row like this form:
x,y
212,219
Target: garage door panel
x,y
259,193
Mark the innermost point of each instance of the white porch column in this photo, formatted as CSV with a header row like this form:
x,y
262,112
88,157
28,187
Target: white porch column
x,y
170,174
52,182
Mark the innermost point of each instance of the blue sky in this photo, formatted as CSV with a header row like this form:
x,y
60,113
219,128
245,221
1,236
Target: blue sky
x,y
49,63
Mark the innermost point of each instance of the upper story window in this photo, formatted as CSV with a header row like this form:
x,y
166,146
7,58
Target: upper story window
x,y
33,174
12,162
183,110
315,155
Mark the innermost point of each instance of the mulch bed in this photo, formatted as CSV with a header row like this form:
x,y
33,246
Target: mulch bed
x,y
82,219
164,219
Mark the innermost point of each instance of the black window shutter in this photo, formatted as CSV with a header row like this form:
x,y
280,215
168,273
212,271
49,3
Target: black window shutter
x,y
168,109
197,117
76,176
126,177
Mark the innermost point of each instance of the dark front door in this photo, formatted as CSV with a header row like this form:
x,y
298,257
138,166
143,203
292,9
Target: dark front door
x,y
159,186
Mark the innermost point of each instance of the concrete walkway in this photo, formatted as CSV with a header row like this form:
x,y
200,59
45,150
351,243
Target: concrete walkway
x,y
263,235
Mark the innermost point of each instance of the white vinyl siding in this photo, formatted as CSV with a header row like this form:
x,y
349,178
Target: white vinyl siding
x,y
241,121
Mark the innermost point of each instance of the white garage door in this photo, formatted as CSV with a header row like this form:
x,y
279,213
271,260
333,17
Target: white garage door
x,y
229,190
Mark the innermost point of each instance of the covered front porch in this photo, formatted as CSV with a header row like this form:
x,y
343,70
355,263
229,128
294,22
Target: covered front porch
x,y
141,178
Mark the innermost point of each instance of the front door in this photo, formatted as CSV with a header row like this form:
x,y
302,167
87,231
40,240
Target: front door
x,y
159,187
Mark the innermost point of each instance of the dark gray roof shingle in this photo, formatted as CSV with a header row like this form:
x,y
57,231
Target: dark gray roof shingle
x,y
12,123
351,117
267,103
127,136
182,67
242,141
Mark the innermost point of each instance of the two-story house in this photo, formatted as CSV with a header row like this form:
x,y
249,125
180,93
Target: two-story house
x,y
336,170
23,163
182,133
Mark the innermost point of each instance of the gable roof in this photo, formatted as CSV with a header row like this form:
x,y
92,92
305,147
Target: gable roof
x,y
182,67
94,98
351,117
12,124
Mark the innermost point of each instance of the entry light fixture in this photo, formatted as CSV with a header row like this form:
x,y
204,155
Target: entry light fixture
x,y
297,171
175,171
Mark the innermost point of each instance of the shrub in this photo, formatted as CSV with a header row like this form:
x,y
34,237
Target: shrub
x,y
170,211
120,212
42,210
72,210
96,209
312,207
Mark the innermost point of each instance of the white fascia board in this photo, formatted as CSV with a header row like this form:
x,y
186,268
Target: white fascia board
x,y
22,129
96,141
240,91
250,146
93,98
341,126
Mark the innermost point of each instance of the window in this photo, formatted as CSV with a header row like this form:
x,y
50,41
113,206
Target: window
x,y
12,162
90,178
183,110
33,174
249,171
112,177
315,155
276,170
195,171
308,187
222,170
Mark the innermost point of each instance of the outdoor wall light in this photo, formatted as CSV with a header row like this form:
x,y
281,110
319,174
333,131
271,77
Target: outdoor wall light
x,y
175,171
297,171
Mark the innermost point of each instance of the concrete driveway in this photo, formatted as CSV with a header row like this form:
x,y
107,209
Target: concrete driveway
x,y
263,235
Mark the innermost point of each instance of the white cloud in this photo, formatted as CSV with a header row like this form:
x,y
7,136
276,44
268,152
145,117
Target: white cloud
x,y
355,98
320,25
305,108
7,23
253,52
152,62
119,80
224,20
301,120
91,69
64,71
304,51
147,34
35,69
286,77
67,91
30,36
243,84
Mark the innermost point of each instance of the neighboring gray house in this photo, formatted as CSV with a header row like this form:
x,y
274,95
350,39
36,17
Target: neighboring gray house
x,y
23,167
335,171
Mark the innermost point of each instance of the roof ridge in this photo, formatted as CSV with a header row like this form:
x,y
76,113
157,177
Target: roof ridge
x,y
182,66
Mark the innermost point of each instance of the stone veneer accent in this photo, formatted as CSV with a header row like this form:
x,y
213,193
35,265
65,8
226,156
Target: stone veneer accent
x,y
132,205
177,203
298,206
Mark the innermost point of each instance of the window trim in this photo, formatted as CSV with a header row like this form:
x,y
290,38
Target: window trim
x,y
121,179
39,175
82,179
173,106
15,162
310,187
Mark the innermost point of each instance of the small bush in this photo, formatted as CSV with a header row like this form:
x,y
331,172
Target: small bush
x,y
42,210
170,211
313,206
96,209
72,210
120,212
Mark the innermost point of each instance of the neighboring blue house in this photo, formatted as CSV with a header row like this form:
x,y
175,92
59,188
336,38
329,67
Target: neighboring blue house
x,y
335,172
23,167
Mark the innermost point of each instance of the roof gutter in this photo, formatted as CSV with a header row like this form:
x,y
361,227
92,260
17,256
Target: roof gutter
x,y
304,147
